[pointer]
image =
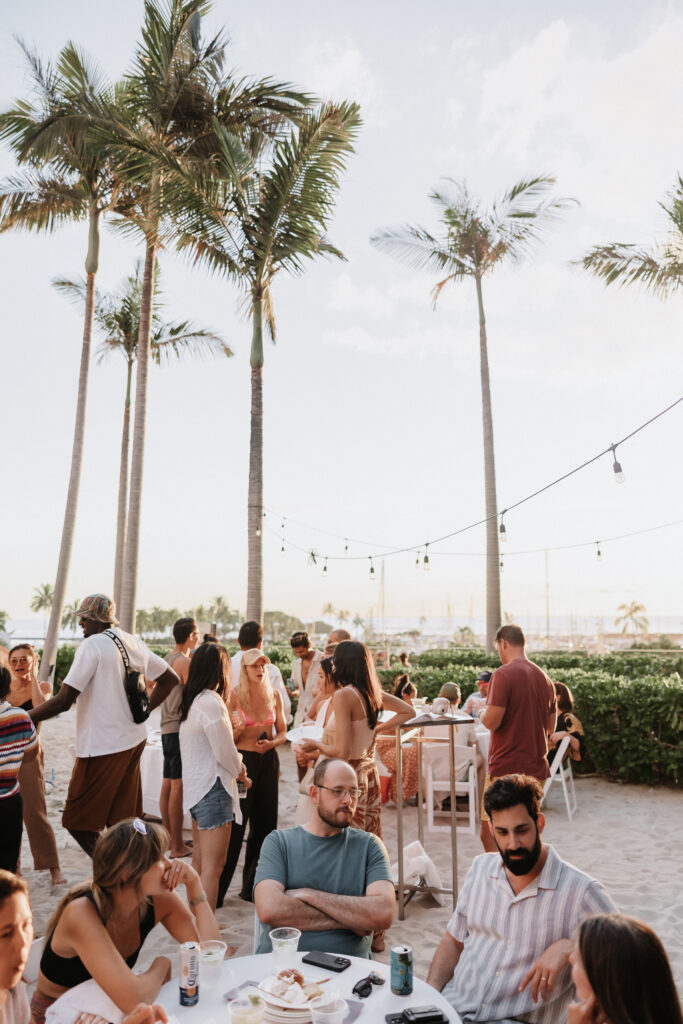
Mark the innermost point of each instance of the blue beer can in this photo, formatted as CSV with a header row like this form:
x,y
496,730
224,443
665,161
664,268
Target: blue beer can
x,y
402,970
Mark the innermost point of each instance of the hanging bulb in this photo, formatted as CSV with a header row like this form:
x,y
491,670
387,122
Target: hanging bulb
x,y
425,560
346,546
282,549
501,529
325,568
616,466
258,531
417,561
598,552
500,565
372,570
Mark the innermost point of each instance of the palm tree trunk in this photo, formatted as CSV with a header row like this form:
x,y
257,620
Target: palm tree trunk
x,y
52,636
129,580
122,508
493,616
255,496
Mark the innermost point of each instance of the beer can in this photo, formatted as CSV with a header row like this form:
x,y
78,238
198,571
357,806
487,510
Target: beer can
x,y
189,973
402,970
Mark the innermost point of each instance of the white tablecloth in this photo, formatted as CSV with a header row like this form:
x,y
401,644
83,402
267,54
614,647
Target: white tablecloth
x,y
255,968
152,770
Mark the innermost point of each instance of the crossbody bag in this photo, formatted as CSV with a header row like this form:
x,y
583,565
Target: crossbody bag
x,y
134,684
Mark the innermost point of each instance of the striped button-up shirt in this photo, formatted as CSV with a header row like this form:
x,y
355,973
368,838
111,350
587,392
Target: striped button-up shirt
x,y
504,934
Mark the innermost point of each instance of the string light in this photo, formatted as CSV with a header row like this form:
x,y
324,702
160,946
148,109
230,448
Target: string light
x,y
325,569
598,551
372,570
616,466
282,549
501,529
417,561
500,565
425,560
346,546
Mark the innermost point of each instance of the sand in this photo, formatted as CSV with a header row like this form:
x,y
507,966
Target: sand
x,y
629,837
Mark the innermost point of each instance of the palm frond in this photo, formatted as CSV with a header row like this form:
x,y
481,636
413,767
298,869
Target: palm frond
x,y
74,290
34,202
420,250
177,339
519,218
674,208
659,269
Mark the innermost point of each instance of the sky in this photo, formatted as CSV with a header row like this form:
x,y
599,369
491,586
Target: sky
x,y
372,396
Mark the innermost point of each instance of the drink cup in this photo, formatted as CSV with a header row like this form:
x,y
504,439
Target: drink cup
x,y
246,1011
211,957
285,942
330,1013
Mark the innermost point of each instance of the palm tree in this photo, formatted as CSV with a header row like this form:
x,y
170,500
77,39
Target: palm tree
x,y
69,616
117,317
166,143
43,600
343,615
273,222
4,617
473,242
632,617
329,609
659,269
70,179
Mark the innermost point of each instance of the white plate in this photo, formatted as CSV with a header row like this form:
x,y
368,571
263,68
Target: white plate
x,y
276,1001
305,732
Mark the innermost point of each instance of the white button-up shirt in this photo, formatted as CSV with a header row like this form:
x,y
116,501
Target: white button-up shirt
x,y
504,934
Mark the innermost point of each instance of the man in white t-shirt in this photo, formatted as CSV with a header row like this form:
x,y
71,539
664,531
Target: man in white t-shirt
x,y
250,637
105,784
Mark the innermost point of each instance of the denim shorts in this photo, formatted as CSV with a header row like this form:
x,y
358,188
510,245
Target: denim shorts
x,y
214,809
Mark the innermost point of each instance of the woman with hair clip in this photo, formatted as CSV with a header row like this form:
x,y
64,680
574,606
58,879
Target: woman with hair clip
x,y
99,928
404,689
357,705
621,974
211,762
27,692
259,723
322,714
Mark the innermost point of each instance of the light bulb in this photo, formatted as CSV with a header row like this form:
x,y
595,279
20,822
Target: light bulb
x,y
372,570
346,547
417,561
598,552
425,562
258,531
325,568
618,472
502,531
282,549
501,566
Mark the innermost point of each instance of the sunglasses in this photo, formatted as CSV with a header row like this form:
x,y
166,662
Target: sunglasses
x,y
363,988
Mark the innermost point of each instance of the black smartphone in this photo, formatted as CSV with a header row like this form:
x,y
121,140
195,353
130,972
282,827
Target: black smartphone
x,y
328,961
424,1015
395,1018
264,735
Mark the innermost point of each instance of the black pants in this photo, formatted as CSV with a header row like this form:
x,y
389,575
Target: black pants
x,y
259,809
11,826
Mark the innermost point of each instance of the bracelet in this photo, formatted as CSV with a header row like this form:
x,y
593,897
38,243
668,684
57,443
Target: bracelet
x,y
199,899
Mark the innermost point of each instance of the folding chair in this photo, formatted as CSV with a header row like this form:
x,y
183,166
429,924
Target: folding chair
x,y
561,767
30,975
435,759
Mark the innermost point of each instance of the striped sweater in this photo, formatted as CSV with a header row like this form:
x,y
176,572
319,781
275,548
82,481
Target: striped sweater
x,y
17,735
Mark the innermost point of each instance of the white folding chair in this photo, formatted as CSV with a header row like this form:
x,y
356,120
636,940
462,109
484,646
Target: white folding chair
x,y
30,975
435,760
561,768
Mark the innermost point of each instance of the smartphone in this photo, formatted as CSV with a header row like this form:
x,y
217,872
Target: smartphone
x,y
327,961
264,735
241,789
423,1015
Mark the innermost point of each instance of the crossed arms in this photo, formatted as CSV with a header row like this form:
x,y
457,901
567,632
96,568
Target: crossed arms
x,y
311,910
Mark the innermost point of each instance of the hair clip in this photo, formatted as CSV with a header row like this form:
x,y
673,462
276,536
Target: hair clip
x,y
139,826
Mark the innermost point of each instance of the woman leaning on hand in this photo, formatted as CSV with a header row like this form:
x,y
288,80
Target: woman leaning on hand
x,y
27,692
621,974
99,928
259,724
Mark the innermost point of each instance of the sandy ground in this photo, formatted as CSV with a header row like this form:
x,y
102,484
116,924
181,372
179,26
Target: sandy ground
x,y
628,837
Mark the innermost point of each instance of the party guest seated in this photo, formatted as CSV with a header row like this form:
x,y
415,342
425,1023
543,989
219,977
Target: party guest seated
x,y
477,699
621,974
16,935
99,927
404,689
505,953
331,881
567,725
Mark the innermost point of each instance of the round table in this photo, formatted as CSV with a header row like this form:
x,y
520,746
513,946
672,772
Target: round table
x,y
241,970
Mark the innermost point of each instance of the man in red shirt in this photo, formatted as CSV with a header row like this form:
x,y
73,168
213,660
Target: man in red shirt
x,y
521,710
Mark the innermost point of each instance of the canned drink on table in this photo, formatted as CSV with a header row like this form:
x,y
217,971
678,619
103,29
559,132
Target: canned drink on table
x,y
402,970
189,973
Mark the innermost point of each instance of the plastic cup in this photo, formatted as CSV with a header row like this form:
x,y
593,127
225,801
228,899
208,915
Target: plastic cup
x,y
211,957
246,1011
285,942
330,1013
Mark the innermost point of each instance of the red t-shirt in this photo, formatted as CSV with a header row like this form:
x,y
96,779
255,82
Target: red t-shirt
x,y
521,742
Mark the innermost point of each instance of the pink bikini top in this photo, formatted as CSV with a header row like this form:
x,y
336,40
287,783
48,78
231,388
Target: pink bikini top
x,y
269,720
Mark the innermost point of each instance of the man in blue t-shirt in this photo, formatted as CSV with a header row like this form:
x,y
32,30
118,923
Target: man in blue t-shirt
x,y
330,881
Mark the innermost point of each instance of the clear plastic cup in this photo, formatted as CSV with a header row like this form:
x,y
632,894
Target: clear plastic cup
x,y
285,942
211,957
248,1010
329,1013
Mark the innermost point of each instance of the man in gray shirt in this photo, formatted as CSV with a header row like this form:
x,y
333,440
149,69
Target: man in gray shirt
x,y
505,954
331,881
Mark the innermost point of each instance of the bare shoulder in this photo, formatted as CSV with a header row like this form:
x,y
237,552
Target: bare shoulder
x,y
80,913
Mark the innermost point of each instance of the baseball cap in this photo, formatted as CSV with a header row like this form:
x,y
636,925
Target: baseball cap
x,y
485,677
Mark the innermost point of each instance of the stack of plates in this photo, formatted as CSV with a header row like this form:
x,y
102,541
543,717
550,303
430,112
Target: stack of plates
x,y
279,1011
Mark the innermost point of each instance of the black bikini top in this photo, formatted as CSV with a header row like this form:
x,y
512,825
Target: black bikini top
x,y
69,971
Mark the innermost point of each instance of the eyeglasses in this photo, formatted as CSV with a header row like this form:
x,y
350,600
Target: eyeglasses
x,y
341,791
363,988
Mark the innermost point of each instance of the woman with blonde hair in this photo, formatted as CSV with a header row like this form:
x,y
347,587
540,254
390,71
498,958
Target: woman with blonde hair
x,y
99,928
27,692
258,723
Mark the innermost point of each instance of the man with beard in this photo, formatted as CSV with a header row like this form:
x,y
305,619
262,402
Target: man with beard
x,y
331,881
505,954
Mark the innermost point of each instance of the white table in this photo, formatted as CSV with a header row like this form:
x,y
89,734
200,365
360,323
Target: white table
x,y
256,968
152,772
